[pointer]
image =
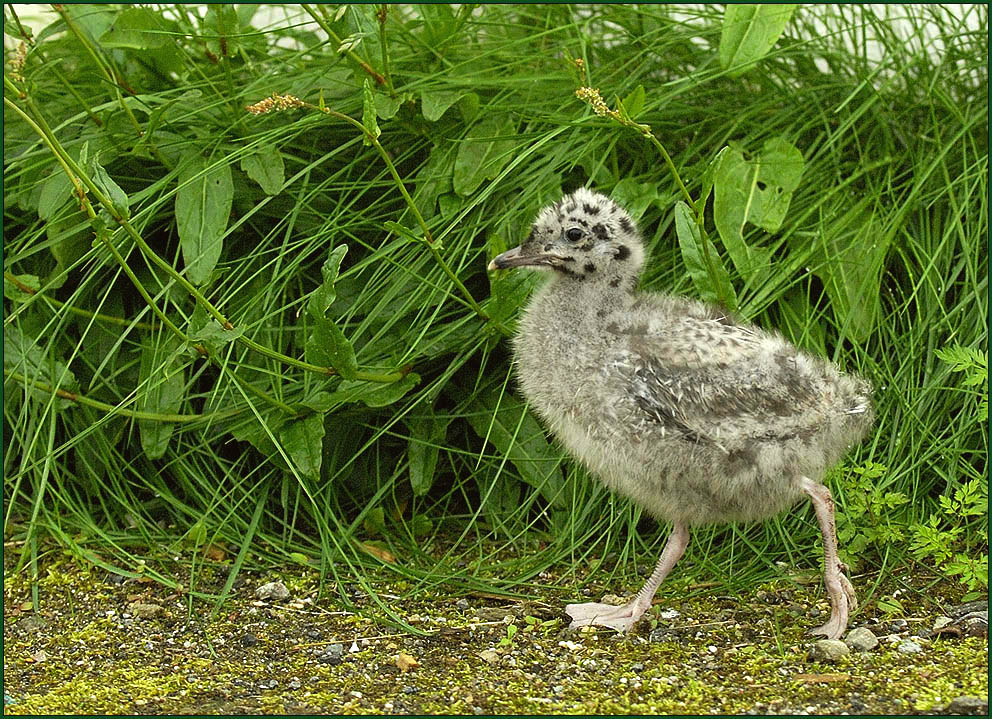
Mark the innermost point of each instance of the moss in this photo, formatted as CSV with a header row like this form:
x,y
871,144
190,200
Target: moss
x,y
728,655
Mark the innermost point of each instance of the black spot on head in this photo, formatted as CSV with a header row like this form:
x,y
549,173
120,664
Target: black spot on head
x,y
568,259
625,225
623,252
590,209
547,247
586,246
599,231
589,267
570,208
615,282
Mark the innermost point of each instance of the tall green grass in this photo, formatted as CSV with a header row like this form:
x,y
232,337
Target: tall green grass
x,y
142,434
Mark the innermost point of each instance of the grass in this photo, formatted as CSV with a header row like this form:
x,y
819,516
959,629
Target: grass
x,y
141,431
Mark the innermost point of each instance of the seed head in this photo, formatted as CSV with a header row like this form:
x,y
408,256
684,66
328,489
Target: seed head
x,y
276,103
599,106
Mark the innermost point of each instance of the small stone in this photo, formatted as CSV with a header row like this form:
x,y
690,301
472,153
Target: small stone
x,y
908,646
828,650
31,624
146,611
335,650
898,625
249,640
462,603
861,639
273,590
968,705
489,656
637,667
663,634
941,622
294,683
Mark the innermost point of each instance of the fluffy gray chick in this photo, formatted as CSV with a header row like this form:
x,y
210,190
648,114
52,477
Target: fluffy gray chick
x,y
696,417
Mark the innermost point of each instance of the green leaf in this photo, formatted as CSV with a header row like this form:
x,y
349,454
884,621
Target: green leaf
x,y
221,27
328,347
756,190
505,421
434,104
136,29
322,297
265,166
203,207
483,152
368,114
705,267
748,33
22,354
434,179
118,198
634,102
205,328
375,394
12,290
55,193
303,441
162,384
635,196
427,435
386,107
402,231
849,257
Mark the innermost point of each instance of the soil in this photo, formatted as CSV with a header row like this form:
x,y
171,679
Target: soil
x,y
102,644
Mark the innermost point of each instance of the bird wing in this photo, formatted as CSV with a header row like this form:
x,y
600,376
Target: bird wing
x,y
711,380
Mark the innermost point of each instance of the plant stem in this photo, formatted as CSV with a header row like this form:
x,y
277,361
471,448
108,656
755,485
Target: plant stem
x,y
334,36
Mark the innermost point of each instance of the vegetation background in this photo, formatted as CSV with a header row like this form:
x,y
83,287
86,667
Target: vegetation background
x,y
269,337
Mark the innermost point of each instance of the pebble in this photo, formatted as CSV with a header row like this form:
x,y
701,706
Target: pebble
x,y
462,603
146,611
861,639
249,640
30,624
828,650
898,625
272,590
968,705
908,646
489,656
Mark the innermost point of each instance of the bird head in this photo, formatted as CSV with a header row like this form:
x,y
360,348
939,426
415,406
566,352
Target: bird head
x,y
585,236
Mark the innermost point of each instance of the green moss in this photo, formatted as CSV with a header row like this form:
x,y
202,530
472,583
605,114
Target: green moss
x,y
732,655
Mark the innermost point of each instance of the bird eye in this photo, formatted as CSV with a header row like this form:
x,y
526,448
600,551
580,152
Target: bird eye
x,y
574,234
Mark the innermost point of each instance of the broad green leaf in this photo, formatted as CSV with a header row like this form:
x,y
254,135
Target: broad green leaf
x,y
373,394
162,383
322,297
704,265
468,106
205,328
265,166
21,290
118,198
368,114
635,197
508,292
23,355
328,347
483,152
303,441
505,421
203,207
634,102
434,179
756,190
221,27
386,107
55,193
748,33
434,104
136,28
427,434
849,257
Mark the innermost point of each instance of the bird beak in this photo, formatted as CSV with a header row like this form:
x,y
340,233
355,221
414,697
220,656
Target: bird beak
x,y
516,258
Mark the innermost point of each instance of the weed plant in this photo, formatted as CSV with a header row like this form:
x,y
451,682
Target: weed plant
x,y
247,318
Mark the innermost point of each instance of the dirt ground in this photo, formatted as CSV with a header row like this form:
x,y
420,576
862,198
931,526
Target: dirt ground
x,y
104,645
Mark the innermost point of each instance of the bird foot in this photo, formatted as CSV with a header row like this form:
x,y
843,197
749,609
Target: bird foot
x,y
846,603
604,615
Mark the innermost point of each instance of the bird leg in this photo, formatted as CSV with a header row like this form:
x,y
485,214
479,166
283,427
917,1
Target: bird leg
x,y
623,618
842,598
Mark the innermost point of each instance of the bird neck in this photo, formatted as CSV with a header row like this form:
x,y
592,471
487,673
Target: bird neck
x,y
611,290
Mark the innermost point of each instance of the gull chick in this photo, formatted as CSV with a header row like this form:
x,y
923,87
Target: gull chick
x,y
695,416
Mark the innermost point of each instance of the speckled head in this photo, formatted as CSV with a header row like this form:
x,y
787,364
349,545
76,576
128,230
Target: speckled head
x,y
583,237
